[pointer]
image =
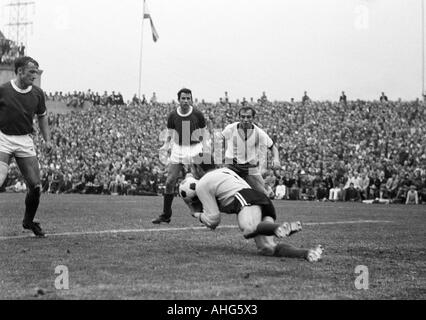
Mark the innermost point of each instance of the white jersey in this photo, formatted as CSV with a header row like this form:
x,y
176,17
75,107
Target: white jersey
x,y
251,149
217,189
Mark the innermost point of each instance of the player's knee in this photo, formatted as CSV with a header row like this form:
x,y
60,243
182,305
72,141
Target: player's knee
x,y
35,191
268,219
267,249
4,169
249,218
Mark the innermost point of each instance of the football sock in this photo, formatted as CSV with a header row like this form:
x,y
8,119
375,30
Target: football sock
x,y
289,251
267,228
168,201
32,202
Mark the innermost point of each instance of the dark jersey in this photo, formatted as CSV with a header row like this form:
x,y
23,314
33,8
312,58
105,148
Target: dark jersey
x,y
185,126
17,109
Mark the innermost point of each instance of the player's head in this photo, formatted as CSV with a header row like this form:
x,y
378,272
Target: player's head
x,y
247,115
185,97
26,69
202,164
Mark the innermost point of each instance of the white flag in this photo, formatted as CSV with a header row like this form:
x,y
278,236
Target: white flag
x,y
147,15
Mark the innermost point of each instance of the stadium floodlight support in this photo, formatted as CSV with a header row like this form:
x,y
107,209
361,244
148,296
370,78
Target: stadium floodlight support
x,y
141,51
18,23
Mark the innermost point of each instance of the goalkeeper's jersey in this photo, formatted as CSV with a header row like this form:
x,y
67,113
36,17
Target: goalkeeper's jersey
x,y
216,190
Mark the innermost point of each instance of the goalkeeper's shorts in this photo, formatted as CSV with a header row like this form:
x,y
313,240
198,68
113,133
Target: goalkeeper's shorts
x,y
248,198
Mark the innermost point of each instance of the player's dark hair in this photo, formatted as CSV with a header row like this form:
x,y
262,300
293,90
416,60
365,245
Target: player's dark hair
x,y
247,109
182,91
22,62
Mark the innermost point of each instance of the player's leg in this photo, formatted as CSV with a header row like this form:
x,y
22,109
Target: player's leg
x,y
169,193
256,182
267,246
4,167
252,224
30,170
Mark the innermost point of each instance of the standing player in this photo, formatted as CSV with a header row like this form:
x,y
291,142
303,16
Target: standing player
x,y
246,148
223,191
20,101
186,135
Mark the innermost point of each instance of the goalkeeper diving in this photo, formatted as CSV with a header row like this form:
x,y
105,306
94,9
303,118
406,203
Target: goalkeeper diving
x,y
222,191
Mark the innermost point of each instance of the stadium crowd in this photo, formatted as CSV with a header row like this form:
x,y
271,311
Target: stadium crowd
x,y
77,99
371,151
9,51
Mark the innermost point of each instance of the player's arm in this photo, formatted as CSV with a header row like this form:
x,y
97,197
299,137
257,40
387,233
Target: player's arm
x,y
211,214
43,123
206,137
224,138
273,148
276,157
168,137
195,206
44,127
45,131
204,133
169,134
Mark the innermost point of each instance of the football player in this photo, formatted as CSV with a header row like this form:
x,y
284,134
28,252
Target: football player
x,y
246,148
20,101
222,191
186,137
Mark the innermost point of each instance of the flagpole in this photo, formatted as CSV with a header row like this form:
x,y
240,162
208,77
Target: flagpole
x,y
141,50
423,49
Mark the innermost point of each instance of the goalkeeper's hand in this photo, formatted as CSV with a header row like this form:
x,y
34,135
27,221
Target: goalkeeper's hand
x,y
196,215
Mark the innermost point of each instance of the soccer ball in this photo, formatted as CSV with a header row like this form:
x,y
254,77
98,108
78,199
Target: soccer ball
x,y
187,188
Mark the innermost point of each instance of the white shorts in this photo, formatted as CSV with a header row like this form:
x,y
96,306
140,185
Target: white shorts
x,y
185,154
18,146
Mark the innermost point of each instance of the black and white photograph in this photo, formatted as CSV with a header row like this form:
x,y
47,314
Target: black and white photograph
x,y
208,157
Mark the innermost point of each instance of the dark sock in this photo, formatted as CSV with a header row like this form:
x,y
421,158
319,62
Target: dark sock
x,y
32,202
267,228
168,201
288,251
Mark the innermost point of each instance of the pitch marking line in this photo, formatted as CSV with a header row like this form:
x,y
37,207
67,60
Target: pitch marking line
x,y
124,231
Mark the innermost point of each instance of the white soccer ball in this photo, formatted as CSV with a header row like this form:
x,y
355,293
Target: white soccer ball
x,y
187,188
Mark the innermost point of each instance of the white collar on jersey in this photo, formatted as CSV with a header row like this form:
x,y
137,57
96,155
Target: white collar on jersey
x,y
179,111
17,89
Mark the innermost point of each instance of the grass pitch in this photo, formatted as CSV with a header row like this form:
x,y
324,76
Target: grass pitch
x,y
112,251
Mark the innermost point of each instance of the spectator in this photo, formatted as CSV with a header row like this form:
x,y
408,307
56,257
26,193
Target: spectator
x,y
322,192
343,99
281,190
324,139
352,194
305,98
412,196
18,187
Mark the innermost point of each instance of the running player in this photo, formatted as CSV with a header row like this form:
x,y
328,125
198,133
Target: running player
x,y
223,191
20,101
246,148
186,135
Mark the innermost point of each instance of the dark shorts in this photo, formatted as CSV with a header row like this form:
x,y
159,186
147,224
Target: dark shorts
x,y
248,198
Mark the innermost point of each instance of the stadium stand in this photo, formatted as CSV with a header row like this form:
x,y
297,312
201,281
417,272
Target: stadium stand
x,y
9,50
110,147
